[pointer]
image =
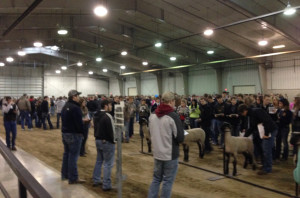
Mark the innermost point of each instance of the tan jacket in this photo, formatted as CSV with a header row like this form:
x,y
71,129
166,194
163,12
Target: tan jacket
x,y
24,104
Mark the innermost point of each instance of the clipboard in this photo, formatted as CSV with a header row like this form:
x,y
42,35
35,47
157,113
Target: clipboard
x,y
261,130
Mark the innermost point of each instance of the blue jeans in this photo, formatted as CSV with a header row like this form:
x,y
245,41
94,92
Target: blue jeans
x,y
137,115
25,115
10,127
52,110
164,171
126,125
58,116
105,156
72,144
131,121
267,145
91,114
44,117
217,131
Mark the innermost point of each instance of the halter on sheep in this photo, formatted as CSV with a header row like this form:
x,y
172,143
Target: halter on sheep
x,y
235,145
145,129
194,135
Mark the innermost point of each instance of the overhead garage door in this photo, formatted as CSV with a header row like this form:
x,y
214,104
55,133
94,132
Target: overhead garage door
x,y
245,89
132,91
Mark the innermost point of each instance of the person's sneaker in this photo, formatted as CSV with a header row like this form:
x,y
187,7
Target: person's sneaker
x,y
97,184
29,129
13,148
64,179
262,172
109,189
78,181
23,129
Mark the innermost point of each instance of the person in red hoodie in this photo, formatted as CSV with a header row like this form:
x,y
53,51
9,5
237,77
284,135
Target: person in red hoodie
x,y
166,134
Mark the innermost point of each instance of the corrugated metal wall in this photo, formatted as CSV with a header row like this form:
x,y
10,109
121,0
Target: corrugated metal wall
x,y
114,87
129,82
202,81
173,81
149,84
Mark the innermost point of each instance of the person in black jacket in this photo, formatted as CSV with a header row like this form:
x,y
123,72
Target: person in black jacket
x,y
219,114
46,113
92,106
72,136
232,116
259,116
205,122
105,142
285,119
10,116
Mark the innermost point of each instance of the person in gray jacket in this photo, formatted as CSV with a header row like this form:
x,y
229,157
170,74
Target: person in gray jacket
x,y
166,134
25,109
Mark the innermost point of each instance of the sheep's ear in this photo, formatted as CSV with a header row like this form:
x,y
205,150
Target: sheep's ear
x,y
225,125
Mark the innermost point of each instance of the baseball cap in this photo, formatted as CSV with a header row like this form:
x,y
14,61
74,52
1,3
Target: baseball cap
x,y
73,93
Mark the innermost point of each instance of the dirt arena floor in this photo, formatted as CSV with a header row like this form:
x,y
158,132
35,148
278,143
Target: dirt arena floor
x,y
190,183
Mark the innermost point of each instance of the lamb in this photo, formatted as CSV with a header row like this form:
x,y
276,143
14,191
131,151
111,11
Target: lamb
x,y
194,135
146,132
235,145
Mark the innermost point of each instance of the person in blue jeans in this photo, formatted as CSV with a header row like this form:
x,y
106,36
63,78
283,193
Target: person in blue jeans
x,y
104,132
10,115
72,136
25,109
260,116
166,134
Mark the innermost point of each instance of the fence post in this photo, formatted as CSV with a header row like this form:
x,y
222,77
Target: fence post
x,y
22,190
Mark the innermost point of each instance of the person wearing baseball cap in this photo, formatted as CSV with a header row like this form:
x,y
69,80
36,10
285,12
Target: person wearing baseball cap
x,y
72,136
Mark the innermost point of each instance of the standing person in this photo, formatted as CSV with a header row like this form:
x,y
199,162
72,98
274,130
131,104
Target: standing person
x,y
285,119
219,114
92,106
232,116
205,118
166,134
10,109
46,113
86,123
25,109
33,114
72,135
60,103
296,120
155,104
183,112
52,106
115,102
194,113
105,143
129,114
137,103
144,114
259,116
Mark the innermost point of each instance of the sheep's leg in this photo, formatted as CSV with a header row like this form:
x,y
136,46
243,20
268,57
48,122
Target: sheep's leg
x,y
227,159
246,159
149,145
201,151
253,161
186,152
234,164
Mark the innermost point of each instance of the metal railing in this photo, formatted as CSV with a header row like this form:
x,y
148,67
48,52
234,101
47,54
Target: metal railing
x,y
26,182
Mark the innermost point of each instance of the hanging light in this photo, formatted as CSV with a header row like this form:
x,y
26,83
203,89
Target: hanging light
x,y
100,11
173,58
289,10
91,73
123,53
21,53
98,59
104,70
208,32
10,59
37,44
263,43
79,64
62,32
123,67
57,71
2,64
54,48
64,68
158,44
145,63
278,46
210,52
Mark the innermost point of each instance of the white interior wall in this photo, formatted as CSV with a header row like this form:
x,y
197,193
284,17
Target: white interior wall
x,y
202,81
173,81
149,84
114,88
129,82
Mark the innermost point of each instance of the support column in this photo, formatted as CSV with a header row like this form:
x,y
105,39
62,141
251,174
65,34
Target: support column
x,y
43,81
185,81
159,82
138,84
121,86
219,72
262,78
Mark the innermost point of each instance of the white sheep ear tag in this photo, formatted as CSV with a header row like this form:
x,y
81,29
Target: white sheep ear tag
x,y
186,133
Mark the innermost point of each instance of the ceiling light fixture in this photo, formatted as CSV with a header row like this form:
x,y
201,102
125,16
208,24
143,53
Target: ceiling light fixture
x,y
64,68
91,73
79,64
173,58
278,46
2,64
263,43
289,10
123,53
57,71
55,48
100,11
104,70
145,63
208,32
37,44
62,32
123,67
210,52
21,53
98,59
158,44
10,59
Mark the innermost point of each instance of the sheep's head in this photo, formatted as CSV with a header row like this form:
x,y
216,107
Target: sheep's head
x,y
226,127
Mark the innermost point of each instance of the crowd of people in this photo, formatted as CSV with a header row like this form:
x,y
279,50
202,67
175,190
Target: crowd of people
x,y
244,112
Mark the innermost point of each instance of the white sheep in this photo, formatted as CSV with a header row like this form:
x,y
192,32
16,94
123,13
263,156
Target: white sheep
x,y
235,145
194,135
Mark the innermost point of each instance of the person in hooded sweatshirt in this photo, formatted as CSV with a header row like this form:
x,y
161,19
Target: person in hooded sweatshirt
x,y
166,133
